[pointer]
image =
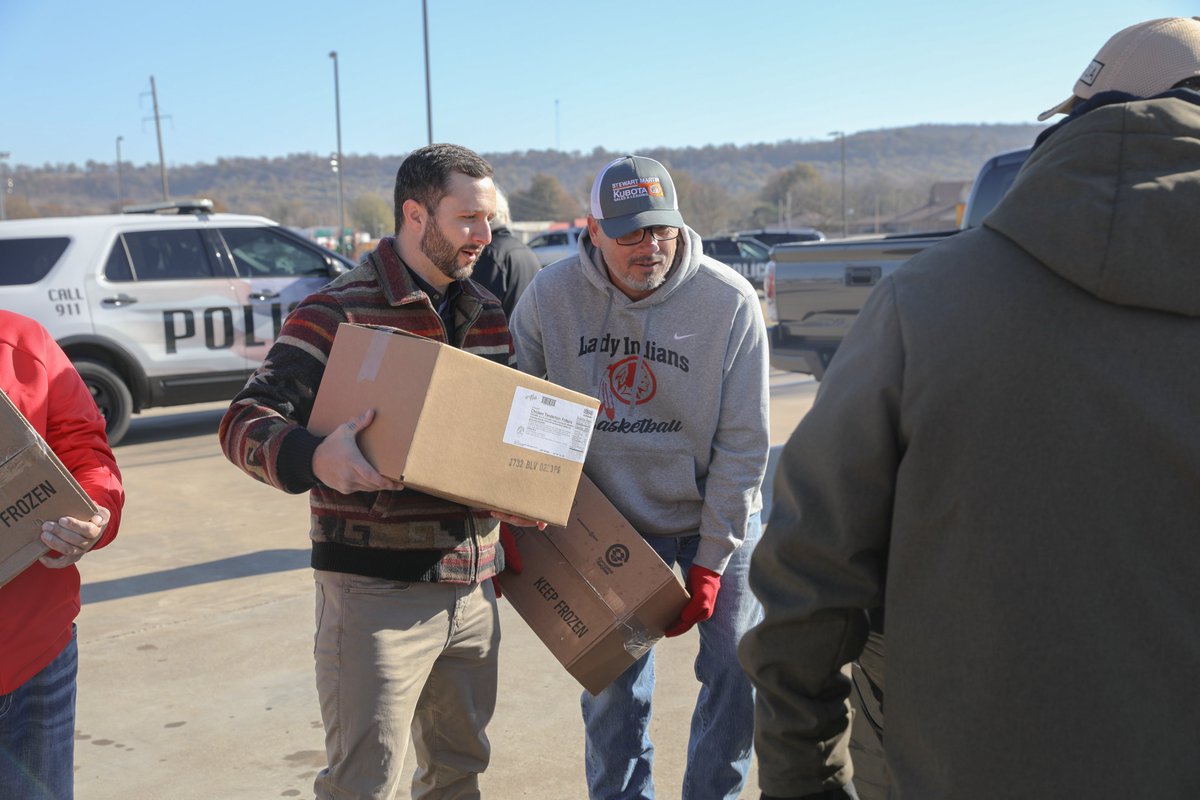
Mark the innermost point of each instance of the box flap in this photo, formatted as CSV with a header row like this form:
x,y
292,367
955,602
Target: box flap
x,y
15,431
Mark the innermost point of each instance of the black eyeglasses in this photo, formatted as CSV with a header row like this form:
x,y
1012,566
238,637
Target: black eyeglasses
x,y
661,233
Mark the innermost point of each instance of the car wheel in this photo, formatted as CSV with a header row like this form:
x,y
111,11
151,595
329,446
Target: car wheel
x,y
111,395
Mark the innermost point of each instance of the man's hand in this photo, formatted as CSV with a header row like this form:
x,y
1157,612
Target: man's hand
x,y
71,538
512,556
702,585
340,465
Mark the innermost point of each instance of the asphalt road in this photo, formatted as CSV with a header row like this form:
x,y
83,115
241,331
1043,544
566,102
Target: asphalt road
x,y
196,676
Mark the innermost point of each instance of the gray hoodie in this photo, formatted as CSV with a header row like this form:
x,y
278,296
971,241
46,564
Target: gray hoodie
x,y
682,438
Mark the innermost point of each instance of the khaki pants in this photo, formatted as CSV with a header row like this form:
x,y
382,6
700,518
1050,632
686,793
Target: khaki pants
x,y
393,656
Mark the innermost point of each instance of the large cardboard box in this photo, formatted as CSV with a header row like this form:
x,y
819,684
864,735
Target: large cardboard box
x,y
34,487
455,425
594,592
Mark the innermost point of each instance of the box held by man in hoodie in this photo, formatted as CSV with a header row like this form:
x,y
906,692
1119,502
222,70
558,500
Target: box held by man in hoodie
x,y
455,425
594,591
34,487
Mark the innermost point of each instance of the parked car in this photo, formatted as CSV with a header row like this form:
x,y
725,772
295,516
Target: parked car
x,y
748,256
156,309
773,236
553,245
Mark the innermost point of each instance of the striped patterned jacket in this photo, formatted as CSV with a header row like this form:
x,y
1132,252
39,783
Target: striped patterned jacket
x,y
404,535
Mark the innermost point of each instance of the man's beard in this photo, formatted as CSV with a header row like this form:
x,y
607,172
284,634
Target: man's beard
x,y
647,284
444,255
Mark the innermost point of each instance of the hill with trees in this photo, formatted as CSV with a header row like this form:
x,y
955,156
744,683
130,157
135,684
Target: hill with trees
x,y
721,187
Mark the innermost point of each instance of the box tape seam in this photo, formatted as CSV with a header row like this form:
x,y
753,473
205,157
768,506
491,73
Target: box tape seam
x,y
373,358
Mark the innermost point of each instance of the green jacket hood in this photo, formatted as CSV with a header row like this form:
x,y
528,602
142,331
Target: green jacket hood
x,y
1110,192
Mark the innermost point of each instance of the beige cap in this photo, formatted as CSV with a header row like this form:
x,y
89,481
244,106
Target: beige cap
x,y
1143,60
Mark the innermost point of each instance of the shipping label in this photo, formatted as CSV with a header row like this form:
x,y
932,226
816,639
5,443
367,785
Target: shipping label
x,y
551,425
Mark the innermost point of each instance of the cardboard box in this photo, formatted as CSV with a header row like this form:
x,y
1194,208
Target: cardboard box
x,y
455,425
34,487
595,592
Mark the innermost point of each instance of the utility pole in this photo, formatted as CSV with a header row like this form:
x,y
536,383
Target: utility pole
x,y
556,143
120,190
162,163
340,163
3,184
845,232
842,138
428,95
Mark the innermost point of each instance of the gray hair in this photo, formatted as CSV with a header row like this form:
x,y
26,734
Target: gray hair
x,y
502,218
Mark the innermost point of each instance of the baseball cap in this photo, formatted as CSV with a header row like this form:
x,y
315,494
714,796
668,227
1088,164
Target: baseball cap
x,y
634,192
1143,60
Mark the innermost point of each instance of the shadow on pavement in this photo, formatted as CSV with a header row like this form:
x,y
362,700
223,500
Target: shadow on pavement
x,y
243,566
172,426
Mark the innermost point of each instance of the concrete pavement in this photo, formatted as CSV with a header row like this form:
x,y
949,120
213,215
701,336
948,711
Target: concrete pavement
x,y
196,676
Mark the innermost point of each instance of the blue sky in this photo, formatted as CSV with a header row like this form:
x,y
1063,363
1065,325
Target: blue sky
x,y
254,78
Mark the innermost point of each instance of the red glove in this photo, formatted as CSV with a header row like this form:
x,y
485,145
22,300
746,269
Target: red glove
x,y
702,585
512,556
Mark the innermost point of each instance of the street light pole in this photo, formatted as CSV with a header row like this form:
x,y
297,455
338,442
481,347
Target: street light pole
x,y
428,95
842,137
120,189
337,109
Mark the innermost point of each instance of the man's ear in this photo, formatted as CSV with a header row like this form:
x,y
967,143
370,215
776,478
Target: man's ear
x,y
414,213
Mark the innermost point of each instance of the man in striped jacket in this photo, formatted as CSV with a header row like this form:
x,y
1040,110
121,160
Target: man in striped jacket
x,y
387,561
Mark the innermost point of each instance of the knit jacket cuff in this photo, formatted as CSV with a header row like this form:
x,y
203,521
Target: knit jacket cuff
x,y
295,463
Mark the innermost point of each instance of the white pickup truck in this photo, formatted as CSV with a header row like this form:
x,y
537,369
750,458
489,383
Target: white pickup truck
x,y
815,289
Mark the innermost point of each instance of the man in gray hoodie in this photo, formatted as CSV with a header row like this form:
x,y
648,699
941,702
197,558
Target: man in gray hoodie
x,y
1005,455
673,344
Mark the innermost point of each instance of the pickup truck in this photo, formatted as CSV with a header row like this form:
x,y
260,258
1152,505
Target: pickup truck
x,y
814,290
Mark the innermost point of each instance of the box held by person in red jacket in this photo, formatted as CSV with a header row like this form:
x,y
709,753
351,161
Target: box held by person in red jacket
x,y
34,487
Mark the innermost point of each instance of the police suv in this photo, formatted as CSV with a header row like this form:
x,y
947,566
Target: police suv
x,y
158,309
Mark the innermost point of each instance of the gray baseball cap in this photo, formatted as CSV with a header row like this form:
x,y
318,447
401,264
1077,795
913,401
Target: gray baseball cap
x,y
634,192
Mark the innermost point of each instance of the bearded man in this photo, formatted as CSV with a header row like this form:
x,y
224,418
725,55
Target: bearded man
x,y
407,629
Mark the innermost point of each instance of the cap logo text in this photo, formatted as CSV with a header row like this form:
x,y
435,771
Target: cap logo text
x,y
636,188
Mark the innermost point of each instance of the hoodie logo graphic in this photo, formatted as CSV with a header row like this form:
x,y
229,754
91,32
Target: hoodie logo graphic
x,y
630,381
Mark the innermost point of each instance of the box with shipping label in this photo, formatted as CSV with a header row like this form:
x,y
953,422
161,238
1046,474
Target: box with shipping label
x,y
594,592
455,425
34,487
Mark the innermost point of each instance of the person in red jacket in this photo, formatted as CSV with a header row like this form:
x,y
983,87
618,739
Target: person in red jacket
x,y
38,655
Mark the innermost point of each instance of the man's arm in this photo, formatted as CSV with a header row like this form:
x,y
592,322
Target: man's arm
x,y
263,433
75,432
823,559
741,444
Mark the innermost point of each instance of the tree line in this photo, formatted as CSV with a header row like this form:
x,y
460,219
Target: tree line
x,y
721,187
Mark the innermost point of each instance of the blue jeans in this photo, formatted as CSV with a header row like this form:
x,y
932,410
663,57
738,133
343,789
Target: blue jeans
x,y
37,732
618,753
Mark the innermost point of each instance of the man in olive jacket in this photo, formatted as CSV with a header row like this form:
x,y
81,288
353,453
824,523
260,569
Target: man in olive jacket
x,y
1006,456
